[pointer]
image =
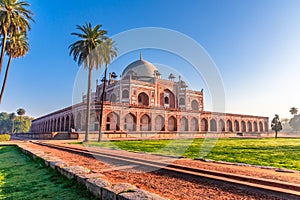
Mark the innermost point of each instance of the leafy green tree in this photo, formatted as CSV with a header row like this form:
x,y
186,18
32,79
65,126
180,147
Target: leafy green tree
x,y
17,46
14,19
5,125
83,52
23,124
10,123
276,125
108,50
294,111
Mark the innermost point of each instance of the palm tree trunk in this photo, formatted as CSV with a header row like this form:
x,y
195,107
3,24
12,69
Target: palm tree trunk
x,y
3,48
275,134
5,78
103,97
88,106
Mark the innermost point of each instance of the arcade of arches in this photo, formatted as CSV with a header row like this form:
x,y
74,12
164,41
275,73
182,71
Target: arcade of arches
x,y
116,119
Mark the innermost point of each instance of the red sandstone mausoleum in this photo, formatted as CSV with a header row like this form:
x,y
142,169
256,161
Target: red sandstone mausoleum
x,y
142,103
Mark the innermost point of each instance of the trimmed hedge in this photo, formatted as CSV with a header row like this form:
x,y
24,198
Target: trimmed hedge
x,y
4,137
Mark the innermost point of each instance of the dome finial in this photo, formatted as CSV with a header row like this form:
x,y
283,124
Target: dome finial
x,y
141,57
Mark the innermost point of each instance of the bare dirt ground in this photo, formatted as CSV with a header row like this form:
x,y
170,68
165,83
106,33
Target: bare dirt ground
x,y
176,186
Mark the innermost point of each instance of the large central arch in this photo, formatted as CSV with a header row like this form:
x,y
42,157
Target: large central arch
x,y
143,99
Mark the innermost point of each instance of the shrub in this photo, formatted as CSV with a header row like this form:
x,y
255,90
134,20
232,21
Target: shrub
x,y
4,137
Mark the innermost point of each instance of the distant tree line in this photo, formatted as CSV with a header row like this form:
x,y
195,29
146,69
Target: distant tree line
x,y
11,123
295,121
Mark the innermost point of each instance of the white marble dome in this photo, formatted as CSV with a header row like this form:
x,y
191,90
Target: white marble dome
x,y
140,68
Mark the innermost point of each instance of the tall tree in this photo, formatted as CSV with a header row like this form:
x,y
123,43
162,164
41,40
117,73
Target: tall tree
x,y
294,111
12,117
276,125
17,46
109,51
83,52
14,18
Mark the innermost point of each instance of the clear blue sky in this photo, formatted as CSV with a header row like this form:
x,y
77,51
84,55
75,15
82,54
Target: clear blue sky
x,y
254,43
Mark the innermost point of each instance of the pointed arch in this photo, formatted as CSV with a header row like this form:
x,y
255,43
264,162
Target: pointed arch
x,y
62,126
78,121
159,123
204,124
221,125
184,124
67,128
195,105
213,125
143,99
167,99
145,123
112,122
229,126
194,124
244,126
182,101
261,128
255,127
249,124
54,125
72,121
58,125
236,126
130,122
125,94
172,124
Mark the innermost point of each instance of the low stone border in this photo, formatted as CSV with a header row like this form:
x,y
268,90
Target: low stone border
x,y
94,183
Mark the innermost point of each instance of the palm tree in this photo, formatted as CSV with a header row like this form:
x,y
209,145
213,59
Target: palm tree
x,y
294,111
109,51
21,111
17,46
83,52
14,18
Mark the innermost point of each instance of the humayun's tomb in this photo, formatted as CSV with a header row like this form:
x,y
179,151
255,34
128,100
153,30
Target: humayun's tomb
x,y
141,102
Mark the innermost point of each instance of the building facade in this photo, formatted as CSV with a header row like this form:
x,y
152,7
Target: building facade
x,y
141,101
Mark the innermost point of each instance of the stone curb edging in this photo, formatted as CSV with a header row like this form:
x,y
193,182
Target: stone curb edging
x,y
94,183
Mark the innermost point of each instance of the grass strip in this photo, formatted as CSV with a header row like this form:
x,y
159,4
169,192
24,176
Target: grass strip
x,y
280,152
23,178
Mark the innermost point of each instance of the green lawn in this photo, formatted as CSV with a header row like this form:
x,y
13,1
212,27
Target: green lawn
x,y
281,152
23,178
